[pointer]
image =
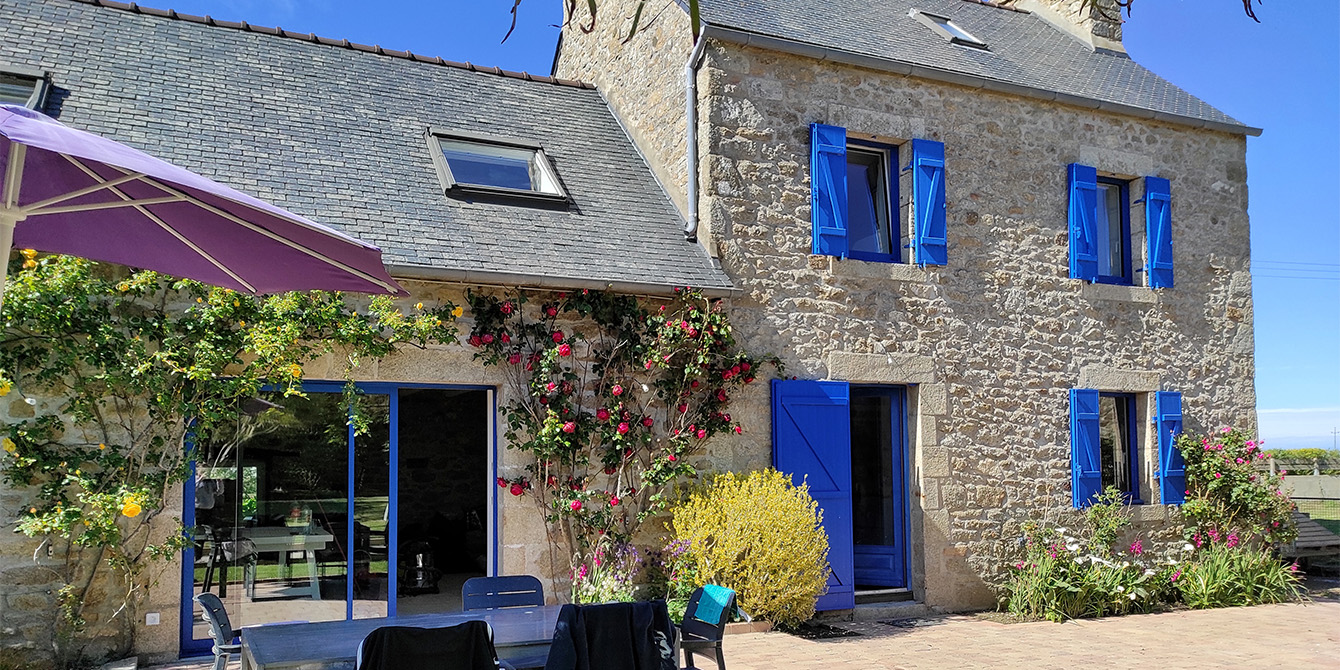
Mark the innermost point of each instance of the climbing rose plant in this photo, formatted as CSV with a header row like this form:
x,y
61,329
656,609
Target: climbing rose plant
x,y
1227,493
115,370
613,399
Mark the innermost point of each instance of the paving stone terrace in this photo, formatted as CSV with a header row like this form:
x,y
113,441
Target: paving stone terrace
x,y
1267,636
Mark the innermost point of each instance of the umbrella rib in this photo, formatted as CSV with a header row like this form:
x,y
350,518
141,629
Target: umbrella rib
x,y
93,206
69,195
258,229
169,229
14,174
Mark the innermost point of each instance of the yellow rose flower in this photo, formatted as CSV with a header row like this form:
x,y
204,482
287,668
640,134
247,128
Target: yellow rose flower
x,y
29,264
418,306
458,312
236,303
29,253
5,387
9,445
131,509
101,446
295,370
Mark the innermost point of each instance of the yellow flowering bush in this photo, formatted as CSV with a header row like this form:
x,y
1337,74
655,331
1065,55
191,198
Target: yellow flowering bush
x,y
760,535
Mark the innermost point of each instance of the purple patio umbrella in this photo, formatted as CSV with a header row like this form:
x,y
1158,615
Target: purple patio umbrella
x,y
71,192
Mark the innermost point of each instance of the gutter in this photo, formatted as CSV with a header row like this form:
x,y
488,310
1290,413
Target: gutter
x,y
523,280
745,38
691,132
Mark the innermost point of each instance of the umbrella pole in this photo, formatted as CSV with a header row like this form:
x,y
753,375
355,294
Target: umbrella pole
x,y
10,214
8,220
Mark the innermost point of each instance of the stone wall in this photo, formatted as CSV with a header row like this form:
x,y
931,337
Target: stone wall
x,y
995,339
642,78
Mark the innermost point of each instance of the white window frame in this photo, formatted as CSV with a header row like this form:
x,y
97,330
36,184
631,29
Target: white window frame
x,y
451,184
938,24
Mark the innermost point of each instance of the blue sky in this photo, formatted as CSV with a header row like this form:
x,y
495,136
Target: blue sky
x,y
1282,75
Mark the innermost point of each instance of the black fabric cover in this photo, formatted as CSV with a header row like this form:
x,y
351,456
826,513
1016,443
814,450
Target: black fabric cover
x,y
614,636
468,646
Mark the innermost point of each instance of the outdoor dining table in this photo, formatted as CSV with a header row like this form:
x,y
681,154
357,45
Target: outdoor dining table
x,y
332,645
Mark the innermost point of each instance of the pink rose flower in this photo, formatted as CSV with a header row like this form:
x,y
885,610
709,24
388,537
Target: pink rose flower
x,y
564,350
614,502
514,359
617,390
550,387
487,339
505,308
647,421
518,489
702,433
623,428
575,505
602,414
569,427
558,336
502,482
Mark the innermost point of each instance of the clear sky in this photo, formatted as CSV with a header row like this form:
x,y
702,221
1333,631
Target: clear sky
x,y
1282,75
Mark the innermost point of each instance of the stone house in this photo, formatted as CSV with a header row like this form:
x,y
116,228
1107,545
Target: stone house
x,y
1001,258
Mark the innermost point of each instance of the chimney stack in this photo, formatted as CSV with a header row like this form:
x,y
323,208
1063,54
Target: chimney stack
x,y
1098,23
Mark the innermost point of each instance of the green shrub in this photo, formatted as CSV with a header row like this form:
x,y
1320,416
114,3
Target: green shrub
x,y
1226,494
1227,574
759,535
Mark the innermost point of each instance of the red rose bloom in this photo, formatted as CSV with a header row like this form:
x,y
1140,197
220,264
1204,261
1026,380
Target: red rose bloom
x,y
558,336
683,408
569,427
647,421
488,338
551,310
502,482
505,338
602,414
564,350
611,470
671,458
475,341
744,367
617,390
623,428
518,489
738,430
721,395
614,501
575,505
550,387
514,359
506,308
702,433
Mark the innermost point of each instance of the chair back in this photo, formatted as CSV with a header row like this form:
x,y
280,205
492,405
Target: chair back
x,y
492,593
220,629
467,646
708,611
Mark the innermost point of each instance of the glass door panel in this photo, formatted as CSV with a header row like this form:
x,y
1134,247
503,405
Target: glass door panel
x,y
372,509
877,439
295,525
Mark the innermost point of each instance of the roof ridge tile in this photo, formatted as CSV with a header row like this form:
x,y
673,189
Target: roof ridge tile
x,y
312,38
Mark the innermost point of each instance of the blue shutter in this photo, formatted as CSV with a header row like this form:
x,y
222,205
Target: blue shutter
x,y
811,433
1158,231
1172,471
1086,469
1083,222
828,189
928,202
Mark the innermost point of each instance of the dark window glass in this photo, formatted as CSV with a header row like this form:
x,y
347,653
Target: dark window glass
x,y
15,89
480,164
868,216
872,469
1117,441
1112,218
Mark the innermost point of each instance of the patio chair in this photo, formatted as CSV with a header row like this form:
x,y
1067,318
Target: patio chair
x,y
467,646
505,592
705,620
220,629
225,552
614,636
493,593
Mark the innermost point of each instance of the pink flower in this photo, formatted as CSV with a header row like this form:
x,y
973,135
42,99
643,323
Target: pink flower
x,y
569,427
1217,475
672,458
617,390
647,421
558,336
502,482
721,395
739,430
1239,461
518,489
602,414
514,359
581,572
649,364
575,505
1175,575
683,407
702,433
505,338
623,429
487,339
550,387
614,502
744,367
564,350
475,341
551,310
505,308
1137,547
694,384
693,332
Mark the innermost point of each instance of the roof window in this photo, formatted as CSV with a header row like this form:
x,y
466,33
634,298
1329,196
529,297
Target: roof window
x,y
22,86
475,162
947,29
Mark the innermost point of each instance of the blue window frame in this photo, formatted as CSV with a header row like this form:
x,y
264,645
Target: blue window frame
x,y
873,230
1118,443
1113,222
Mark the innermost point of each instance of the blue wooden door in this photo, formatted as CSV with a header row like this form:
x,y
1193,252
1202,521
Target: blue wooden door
x,y
879,528
812,443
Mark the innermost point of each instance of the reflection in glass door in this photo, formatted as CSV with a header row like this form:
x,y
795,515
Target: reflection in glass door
x,y
371,510
878,438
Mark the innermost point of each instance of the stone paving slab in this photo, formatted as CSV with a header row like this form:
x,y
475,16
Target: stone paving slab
x,y
1267,636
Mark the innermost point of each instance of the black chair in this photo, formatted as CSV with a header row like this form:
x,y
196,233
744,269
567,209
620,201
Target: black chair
x,y
495,593
614,636
704,624
220,629
224,552
467,646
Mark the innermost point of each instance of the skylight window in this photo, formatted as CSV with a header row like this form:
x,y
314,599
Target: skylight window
x,y
22,86
470,161
947,29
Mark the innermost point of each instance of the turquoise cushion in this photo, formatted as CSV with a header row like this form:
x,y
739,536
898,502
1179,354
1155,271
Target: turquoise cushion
x,y
711,604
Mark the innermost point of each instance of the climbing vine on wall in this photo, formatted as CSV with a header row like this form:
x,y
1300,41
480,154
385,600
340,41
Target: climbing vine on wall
x,y
613,400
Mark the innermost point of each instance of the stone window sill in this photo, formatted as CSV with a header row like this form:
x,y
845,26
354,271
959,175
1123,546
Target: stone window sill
x,y
874,270
1115,293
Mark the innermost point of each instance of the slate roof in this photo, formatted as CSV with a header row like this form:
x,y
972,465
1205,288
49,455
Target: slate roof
x,y
1024,50
338,135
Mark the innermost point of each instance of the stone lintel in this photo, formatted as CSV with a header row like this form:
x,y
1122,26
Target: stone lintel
x,y
1121,163
890,368
1108,378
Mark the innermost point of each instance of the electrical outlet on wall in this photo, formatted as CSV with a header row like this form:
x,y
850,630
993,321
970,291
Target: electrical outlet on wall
x,y
152,619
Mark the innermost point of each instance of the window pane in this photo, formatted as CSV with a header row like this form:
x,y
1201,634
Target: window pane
x,y
1111,244
872,469
867,202
1114,435
492,165
16,90
958,32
